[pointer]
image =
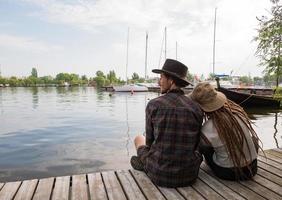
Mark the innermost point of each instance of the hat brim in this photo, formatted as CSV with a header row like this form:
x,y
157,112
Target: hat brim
x,y
183,81
218,102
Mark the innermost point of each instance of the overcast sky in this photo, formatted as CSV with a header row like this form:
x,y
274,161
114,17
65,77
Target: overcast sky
x,y
83,36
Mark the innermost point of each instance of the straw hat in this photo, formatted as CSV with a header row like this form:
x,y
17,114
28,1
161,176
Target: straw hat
x,y
175,69
208,98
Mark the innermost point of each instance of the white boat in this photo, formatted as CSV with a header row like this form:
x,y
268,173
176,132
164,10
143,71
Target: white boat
x,y
149,85
225,84
130,88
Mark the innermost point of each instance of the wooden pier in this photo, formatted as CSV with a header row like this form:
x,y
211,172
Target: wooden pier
x,y
135,185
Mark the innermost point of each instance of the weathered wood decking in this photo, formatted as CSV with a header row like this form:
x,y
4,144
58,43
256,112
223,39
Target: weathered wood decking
x,y
135,185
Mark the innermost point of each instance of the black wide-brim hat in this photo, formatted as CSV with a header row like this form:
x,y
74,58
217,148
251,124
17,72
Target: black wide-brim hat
x,y
176,70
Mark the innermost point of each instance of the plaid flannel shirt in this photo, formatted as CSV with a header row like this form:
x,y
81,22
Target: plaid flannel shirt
x,y
170,156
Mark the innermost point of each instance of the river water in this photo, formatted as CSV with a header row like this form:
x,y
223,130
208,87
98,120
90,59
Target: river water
x,y
62,131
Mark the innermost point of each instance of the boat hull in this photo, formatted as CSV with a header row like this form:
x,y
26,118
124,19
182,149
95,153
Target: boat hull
x,y
130,88
250,100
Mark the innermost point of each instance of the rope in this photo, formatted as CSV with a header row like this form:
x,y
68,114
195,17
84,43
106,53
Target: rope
x,y
246,99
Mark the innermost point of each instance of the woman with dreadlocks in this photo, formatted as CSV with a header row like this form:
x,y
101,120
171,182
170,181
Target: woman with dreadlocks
x,y
229,143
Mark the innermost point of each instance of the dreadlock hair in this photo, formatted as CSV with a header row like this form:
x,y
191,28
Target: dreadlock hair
x,y
231,134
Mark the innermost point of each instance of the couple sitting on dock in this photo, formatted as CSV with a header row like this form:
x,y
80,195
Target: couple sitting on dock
x,y
176,137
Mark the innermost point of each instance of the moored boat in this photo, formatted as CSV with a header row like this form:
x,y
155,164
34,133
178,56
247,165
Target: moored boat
x,y
130,88
249,100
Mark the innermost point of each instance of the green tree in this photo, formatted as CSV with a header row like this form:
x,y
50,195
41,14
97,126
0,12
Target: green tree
x,y
3,80
13,81
135,76
84,78
270,41
111,76
100,81
246,80
74,79
258,80
100,73
190,76
34,72
141,80
47,79
270,79
63,77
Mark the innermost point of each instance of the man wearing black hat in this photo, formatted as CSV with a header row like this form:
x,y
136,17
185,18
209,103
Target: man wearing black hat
x,y
169,153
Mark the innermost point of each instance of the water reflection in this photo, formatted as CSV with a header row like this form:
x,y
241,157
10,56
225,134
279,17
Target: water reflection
x,y
1,101
47,89
65,90
267,121
35,97
276,130
127,125
100,95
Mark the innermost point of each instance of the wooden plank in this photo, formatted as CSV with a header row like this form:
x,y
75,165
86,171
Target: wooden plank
x,y
270,169
275,153
269,184
270,156
261,190
218,186
235,186
113,187
189,193
171,193
206,191
9,190
279,150
271,162
270,176
130,186
44,189
61,188
1,185
96,187
79,187
26,190
146,185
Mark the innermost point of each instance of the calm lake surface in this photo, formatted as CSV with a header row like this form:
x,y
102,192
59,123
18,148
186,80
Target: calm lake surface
x,y
62,131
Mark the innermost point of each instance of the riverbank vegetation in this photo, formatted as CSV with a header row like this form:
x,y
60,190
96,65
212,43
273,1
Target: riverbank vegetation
x,y
68,79
61,79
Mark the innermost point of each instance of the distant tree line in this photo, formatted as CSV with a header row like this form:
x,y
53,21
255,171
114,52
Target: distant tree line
x,y
101,79
34,80
61,79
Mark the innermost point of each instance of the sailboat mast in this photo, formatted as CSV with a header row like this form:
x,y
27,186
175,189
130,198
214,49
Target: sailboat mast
x,y
214,32
146,49
165,43
127,45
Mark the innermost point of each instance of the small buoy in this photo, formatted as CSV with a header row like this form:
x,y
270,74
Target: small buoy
x,y
110,94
